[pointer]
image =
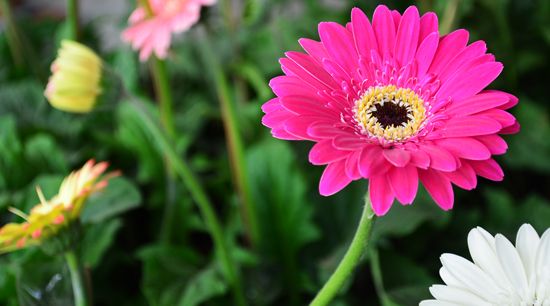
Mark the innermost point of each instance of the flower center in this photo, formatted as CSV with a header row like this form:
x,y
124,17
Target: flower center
x,y
389,112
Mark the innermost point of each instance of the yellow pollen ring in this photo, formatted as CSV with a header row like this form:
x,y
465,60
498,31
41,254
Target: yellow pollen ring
x,y
376,96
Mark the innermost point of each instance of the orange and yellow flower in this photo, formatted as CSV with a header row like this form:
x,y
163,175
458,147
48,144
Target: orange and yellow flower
x,y
49,217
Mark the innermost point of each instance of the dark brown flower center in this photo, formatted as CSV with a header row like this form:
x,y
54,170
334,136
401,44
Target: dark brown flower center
x,y
390,114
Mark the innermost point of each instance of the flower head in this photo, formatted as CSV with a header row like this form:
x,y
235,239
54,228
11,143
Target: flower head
x,y
151,27
500,273
49,217
395,103
75,81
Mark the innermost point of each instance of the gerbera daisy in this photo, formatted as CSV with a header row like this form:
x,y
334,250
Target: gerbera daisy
x,y
500,273
75,82
151,27
48,217
394,102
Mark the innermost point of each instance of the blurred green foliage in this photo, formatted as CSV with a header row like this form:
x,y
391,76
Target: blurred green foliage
x,y
303,235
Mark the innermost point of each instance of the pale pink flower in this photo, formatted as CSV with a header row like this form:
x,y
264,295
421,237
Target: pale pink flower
x,y
153,34
395,103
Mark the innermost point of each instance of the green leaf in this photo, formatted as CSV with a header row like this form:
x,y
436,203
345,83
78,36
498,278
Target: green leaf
x,y
42,151
166,273
204,285
422,210
531,148
97,240
284,214
119,196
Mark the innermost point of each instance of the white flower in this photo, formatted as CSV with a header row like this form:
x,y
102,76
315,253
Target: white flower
x,y
500,274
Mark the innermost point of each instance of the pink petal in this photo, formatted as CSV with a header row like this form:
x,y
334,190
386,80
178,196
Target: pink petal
x,y
352,165
363,33
339,44
449,46
323,153
513,100
298,126
440,159
465,147
439,187
469,53
511,129
469,82
372,162
464,177
276,118
271,105
467,126
314,48
399,157
428,25
324,129
404,183
503,117
384,29
406,41
350,142
426,52
420,159
488,169
310,71
478,103
334,179
381,195
494,143
304,105
291,85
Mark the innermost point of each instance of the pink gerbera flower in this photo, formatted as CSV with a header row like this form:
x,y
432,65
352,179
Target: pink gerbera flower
x,y
395,103
151,31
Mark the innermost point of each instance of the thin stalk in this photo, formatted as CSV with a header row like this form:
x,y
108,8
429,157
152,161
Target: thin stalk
x,y
77,279
166,102
449,16
350,260
164,94
73,19
233,138
14,43
198,194
376,272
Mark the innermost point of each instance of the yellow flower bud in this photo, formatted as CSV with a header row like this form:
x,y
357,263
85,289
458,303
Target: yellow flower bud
x,y
75,82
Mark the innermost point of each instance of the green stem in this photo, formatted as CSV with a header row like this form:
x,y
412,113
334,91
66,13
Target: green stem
x,y
72,19
376,272
198,194
77,279
449,16
14,43
164,94
233,138
350,260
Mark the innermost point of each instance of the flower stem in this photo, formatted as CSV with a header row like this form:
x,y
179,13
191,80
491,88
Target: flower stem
x,y
164,94
198,194
350,260
77,280
72,19
449,16
233,137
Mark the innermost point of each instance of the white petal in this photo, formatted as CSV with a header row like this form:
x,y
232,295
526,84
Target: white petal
x,y
457,295
471,277
543,266
449,279
512,266
482,249
437,303
527,242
